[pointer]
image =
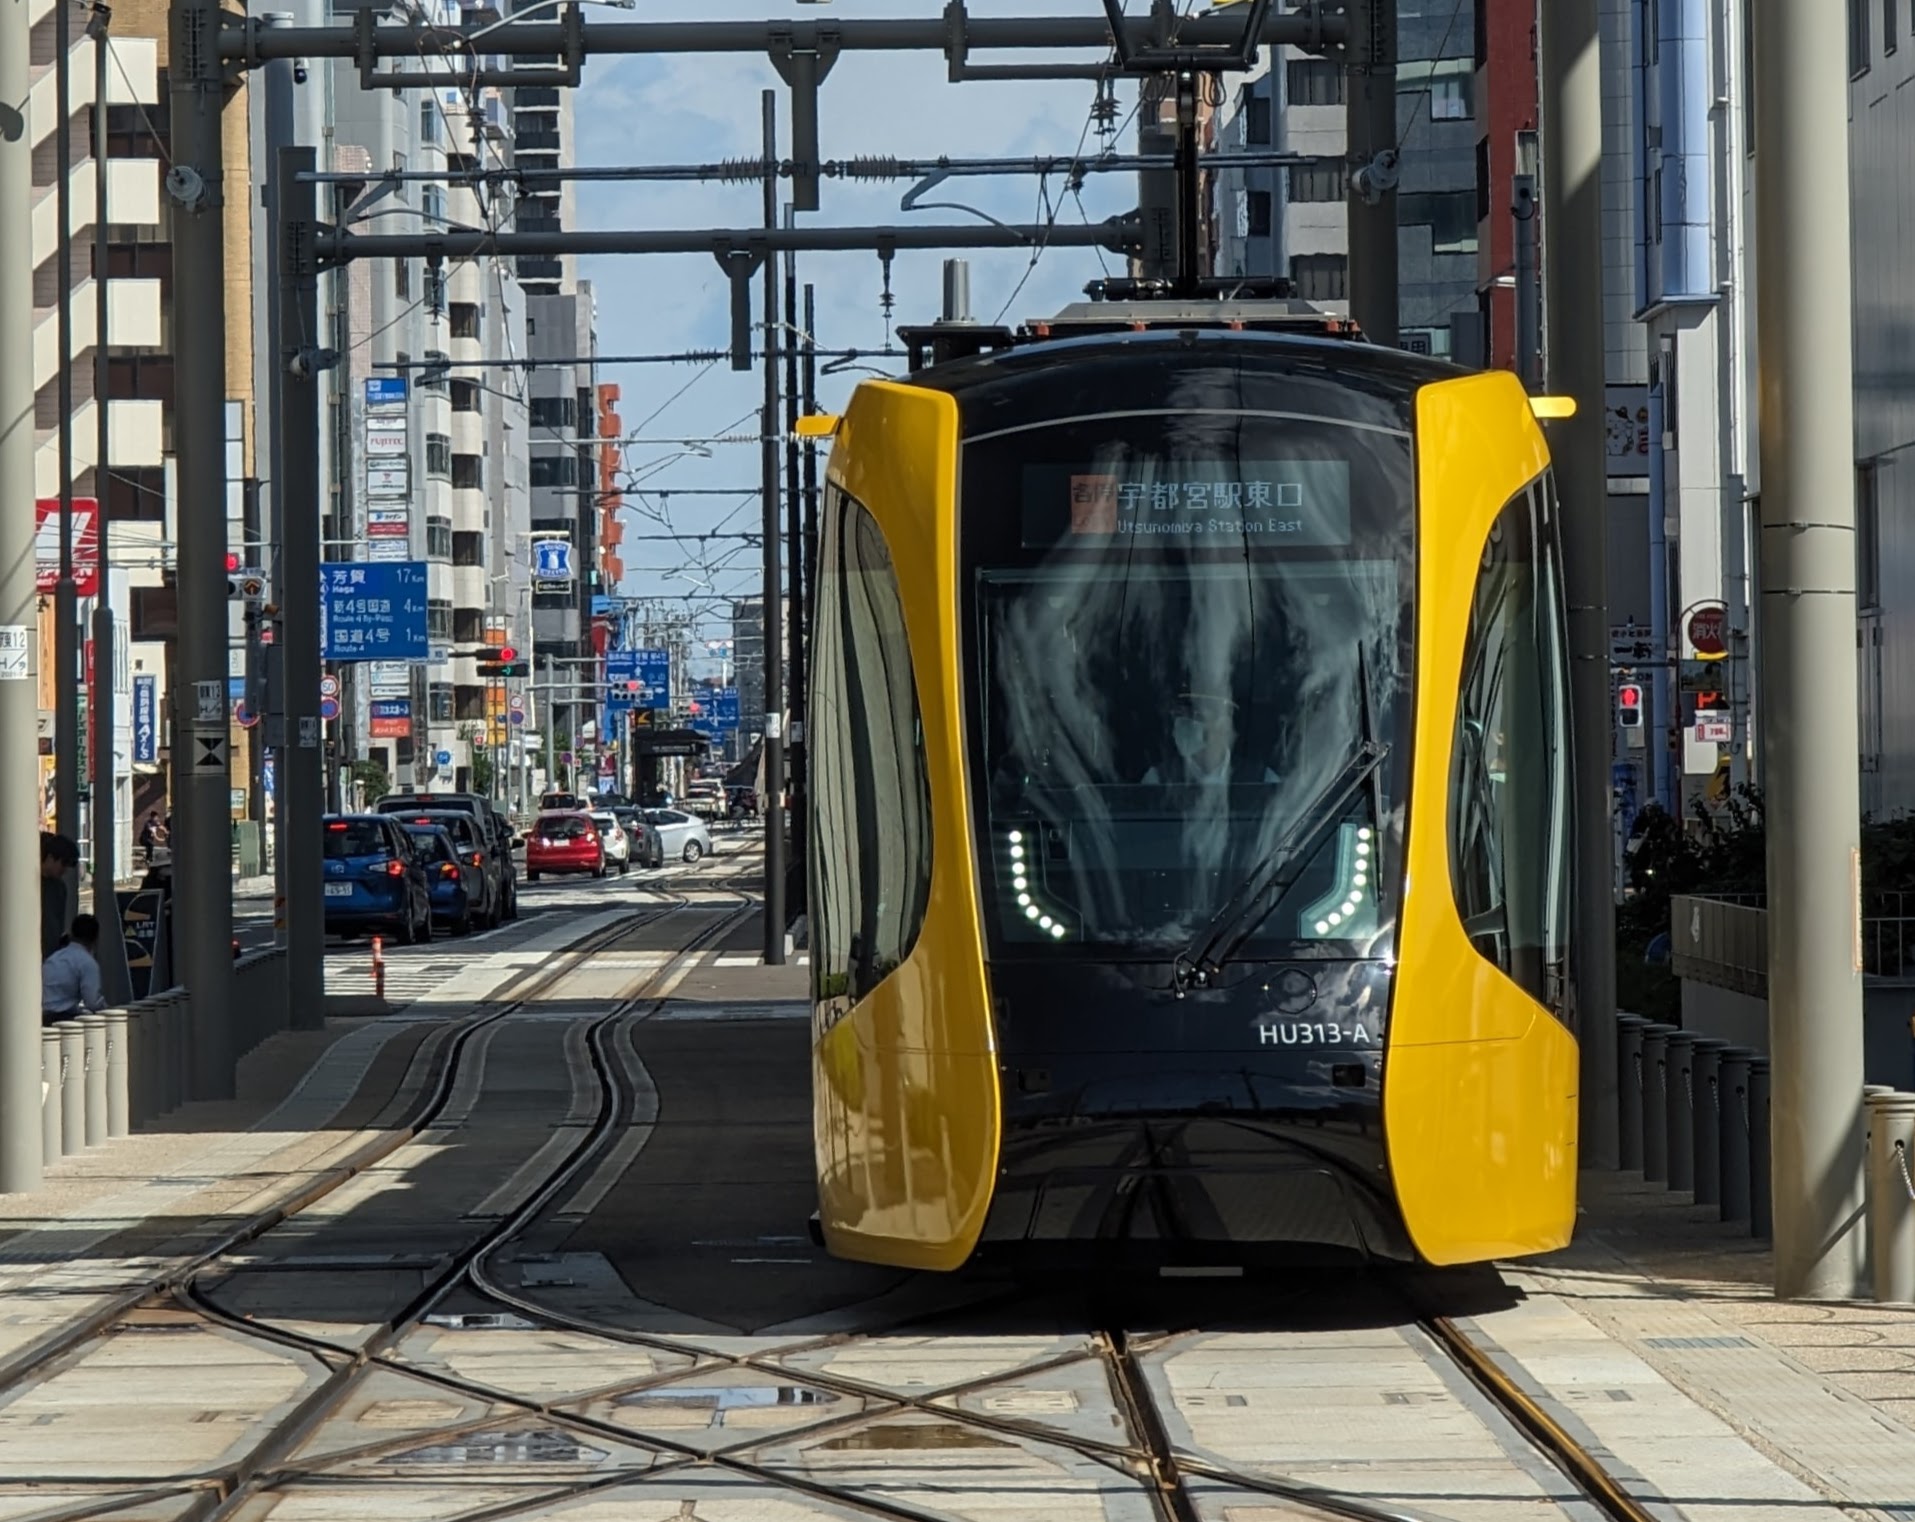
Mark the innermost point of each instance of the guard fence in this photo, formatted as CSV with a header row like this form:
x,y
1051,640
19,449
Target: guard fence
x,y
1695,1119
107,1075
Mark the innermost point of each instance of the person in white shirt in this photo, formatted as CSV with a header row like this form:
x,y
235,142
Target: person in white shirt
x,y
1203,730
70,978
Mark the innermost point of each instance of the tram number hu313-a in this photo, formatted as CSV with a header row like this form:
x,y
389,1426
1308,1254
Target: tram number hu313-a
x,y
1315,1033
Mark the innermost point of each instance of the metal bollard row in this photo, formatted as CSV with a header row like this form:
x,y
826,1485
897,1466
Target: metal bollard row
x,y
106,1075
1694,1113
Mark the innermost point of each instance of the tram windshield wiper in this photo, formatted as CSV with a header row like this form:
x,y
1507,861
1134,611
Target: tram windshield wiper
x,y
1201,962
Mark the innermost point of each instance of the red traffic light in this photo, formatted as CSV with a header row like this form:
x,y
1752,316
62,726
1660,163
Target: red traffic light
x,y
508,654
1629,705
232,562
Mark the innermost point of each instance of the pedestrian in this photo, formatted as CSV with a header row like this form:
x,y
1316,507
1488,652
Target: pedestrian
x,y
152,835
58,856
70,978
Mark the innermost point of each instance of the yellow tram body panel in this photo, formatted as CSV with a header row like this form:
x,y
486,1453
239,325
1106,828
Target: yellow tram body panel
x,y
906,1102
1480,1084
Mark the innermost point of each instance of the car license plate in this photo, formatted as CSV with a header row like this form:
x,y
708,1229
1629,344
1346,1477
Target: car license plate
x,y
338,890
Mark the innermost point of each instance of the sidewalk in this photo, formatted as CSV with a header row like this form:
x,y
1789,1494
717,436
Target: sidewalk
x,y
1656,1338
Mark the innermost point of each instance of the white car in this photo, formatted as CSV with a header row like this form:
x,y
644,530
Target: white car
x,y
618,845
680,834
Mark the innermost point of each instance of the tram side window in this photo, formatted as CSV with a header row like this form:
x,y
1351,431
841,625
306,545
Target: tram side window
x,y
872,797
1509,784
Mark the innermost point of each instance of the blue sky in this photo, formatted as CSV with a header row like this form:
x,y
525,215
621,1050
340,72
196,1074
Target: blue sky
x,y
698,109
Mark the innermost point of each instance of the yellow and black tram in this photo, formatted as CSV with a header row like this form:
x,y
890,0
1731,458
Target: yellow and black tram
x,y
1190,840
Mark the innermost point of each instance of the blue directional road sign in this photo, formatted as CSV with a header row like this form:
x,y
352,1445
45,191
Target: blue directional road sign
x,y
384,391
374,611
146,720
651,669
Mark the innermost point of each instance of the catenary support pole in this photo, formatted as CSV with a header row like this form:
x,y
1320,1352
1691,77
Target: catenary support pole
x,y
20,1142
1573,340
116,981
809,581
1370,122
1810,722
798,745
277,112
68,688
201,765
772,616
296,369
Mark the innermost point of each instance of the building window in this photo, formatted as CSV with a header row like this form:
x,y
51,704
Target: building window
x,y
554,470
429,119
434,379
1313,82
468,626
1891,38
465,320
1256,121
1257,214
1858,38
1450,84
439,455
432,205
1482,179
1321,277
1450,216
465,396
871,824
439,702
555,412
1450,99
438,538
468,472
438,619
402,279
1868,536
1509,764
1324,181
468,549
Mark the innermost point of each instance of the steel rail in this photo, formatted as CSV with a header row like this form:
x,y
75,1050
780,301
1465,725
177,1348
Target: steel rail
x,y
524,988
255,1472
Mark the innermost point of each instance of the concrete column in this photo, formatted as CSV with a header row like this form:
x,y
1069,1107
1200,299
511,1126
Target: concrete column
x,y
1571,59
1810,722
20,1102
201,767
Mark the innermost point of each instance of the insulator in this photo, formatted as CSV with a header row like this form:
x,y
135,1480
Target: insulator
x,y
733,171
869,168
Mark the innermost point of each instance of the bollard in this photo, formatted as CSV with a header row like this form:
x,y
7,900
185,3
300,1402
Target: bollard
x,y
93,1042
1870,1091
1706,1132
72,1088
178,1085
1891,1196
1681,1101
1629,1029
119,1106
379,968
1761,1200
50,1092
1732,1142
1655,1108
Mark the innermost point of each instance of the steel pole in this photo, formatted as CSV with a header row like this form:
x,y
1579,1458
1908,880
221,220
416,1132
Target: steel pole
x,y
116,981
68,687
772,619
1809,713
203,878
277,110
799,745
20,1141
1370,123
301,780
808,582
1573,338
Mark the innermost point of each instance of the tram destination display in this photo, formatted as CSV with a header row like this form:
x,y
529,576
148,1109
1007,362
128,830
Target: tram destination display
x,y
1270,504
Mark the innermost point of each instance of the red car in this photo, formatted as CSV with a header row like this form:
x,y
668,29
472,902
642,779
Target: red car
x,y
565,842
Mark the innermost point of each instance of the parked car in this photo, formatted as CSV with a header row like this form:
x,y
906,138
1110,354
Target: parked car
x,y
507,837
647,850
618,845
705,799
560,803
680,835
498,834
455,881
475,851
563,843
374,879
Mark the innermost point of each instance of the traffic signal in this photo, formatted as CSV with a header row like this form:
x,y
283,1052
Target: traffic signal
x,y
1629,705
500,669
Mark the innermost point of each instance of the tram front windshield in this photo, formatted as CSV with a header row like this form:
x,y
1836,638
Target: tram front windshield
x,y
1190,630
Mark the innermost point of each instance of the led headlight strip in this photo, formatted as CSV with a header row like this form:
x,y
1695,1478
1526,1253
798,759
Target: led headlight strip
x,y
1359,884
1037,913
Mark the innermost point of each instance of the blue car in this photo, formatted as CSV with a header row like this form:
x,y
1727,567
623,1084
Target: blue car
x,y
375,882
454,877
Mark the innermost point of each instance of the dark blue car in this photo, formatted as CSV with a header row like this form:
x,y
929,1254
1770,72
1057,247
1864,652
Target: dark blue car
x,y
375,882
454,877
